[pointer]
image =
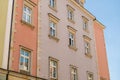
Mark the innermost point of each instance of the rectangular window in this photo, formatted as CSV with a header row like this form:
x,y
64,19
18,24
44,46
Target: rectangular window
x,y
89,76
85,24
87,47
27,14
53,69
52,28
24,60
70,13
74,73
53,3
71,39
53,22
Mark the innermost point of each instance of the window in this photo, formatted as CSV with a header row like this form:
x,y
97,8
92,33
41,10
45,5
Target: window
x,y
52,5
72,42
74,75
70,13
52,28
24,60
53,69
53,21
27,14
85,24
71,39
87,45
89,76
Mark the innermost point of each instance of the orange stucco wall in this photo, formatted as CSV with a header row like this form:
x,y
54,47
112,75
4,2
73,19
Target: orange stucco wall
x,y
25,36
101,51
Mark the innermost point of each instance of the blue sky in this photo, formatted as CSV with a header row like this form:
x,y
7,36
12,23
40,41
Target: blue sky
x,y
108,13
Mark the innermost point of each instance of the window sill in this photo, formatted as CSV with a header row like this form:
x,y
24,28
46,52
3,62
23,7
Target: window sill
x,y
72,47
24,72
53,79
86,30
53,37
53,8
88,55
71,21
28,24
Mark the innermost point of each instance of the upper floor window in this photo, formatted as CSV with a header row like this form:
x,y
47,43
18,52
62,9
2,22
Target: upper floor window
x,y
87,46
52,28
74,75
53,21
52,4
85,24
27,14
89,76
72,42
24,60
53,69
71,39
70,13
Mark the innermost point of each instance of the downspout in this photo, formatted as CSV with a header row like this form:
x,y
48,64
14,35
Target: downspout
x,y
10,40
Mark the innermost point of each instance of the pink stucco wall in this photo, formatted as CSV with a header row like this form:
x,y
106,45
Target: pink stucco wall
x,y
24,35
101,51
60,50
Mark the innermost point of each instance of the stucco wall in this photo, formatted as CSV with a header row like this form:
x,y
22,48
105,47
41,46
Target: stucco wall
x,y
101,51
3,16
60,50
24,35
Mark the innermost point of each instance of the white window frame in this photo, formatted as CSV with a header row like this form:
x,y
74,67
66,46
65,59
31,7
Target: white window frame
x,y
53,69
24,56
87,47
90,76
52,28
85,25
70,15
27,14
74,75
53,3
71,39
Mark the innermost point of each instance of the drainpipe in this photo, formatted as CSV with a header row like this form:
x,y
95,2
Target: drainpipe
x,y
10,40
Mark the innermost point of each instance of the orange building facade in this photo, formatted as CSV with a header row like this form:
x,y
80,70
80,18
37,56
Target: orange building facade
x,y
101,51
23,51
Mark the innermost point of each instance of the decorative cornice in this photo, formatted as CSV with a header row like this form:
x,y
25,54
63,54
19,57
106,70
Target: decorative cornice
x,y
31,2
82,8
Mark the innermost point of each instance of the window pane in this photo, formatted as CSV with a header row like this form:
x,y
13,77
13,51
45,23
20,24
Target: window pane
x,y
21,60
22,52
26,54
26,64
27,14
54,72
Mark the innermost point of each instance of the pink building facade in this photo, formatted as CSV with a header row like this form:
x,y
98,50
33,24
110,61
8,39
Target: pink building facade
x,y
66,42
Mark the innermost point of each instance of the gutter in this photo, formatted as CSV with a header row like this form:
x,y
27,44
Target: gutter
x,y
10,40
